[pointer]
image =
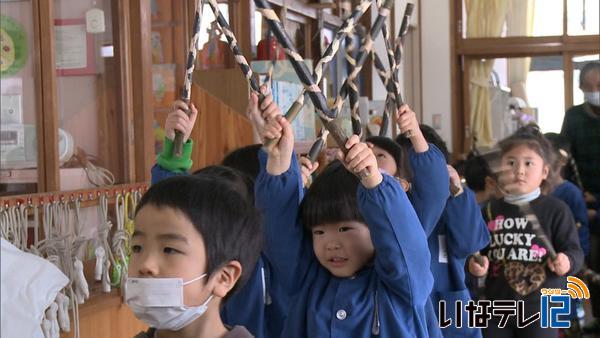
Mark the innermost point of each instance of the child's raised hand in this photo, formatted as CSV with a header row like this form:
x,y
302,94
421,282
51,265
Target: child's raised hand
x,y
407,120
254,115
561,265
360,157
178,120
307,168
455,184
253,112
479,270
269,109
280,153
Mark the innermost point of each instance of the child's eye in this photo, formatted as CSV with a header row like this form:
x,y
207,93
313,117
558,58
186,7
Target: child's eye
x,y
529,163
136,248
318,232
510,162
344,229
381,155
170,251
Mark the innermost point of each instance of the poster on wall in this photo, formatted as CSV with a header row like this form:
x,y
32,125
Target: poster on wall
x,y
163,84
286,87
13,46
74,48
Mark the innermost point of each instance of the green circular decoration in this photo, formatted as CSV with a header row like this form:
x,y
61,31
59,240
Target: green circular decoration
x,y
13,46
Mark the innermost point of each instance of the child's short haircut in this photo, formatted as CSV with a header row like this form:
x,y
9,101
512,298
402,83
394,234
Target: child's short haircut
x,y
244,159
476,170
240,181
331,198
431,136
230,226
390,146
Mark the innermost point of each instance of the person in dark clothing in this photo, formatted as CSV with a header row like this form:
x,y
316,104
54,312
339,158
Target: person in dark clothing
x,y
519,263
581,127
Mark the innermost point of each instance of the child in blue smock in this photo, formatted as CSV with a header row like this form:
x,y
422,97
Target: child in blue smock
x,y
261,304
456,234
352,253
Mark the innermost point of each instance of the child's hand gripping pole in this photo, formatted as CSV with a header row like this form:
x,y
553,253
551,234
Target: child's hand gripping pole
x,y
364,52
358,159
329,54
189,71
398,53
314,92
239,58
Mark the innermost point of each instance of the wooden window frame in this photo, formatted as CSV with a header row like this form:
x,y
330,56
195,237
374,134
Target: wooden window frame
x,y
465,49
131,158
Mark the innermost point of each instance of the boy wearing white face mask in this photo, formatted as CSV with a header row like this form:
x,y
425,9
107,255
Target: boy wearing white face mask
x,y
196,239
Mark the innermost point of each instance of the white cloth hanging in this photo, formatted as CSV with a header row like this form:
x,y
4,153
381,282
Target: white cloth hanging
x,y
29,284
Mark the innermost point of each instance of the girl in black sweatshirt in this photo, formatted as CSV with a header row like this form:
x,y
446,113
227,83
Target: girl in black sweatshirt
x,y
519,264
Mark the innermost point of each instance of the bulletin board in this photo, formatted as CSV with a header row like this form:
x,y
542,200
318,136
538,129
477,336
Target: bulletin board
x,y
74,48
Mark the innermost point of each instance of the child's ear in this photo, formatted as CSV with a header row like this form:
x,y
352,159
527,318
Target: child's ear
x,y
226,277
545,171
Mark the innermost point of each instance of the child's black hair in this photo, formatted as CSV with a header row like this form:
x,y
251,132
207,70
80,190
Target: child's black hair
x,y
431,136
241,182
331,198
531,136
562,149
230,226
244,159
559,142
390,147
476,170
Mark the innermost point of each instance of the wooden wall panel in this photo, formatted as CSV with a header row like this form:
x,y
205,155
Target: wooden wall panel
x,y
219,129
104,316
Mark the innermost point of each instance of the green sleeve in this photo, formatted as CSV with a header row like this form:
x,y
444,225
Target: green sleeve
x,y
175,164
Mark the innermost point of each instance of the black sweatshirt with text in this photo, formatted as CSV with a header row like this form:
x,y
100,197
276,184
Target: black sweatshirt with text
x,y
518,259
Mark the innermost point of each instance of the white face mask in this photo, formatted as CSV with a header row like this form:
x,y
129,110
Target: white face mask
x,y
592,98
159,302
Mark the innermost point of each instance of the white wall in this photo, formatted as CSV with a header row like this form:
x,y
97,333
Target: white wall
x,y
434,27
379,91
435,43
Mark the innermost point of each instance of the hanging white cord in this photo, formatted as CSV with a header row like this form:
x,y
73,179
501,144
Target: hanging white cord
x,y
47,221
120,241
78,221
13,225
36,230
69,248
24,225
4,231
103,231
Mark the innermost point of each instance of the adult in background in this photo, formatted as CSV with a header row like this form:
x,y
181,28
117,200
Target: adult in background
x,y
581,127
